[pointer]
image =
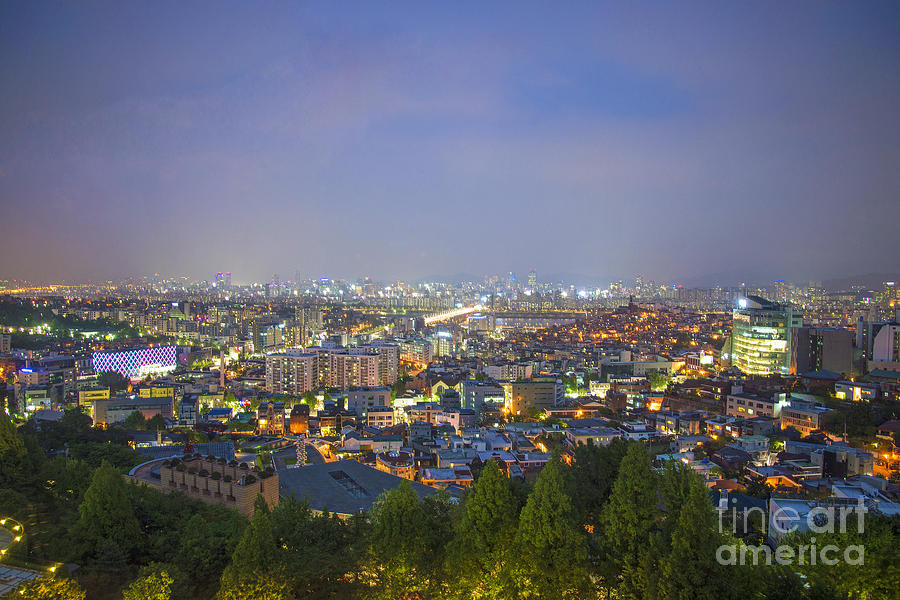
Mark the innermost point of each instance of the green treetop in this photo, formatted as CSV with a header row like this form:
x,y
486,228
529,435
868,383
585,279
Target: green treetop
x,y
485,533
629,520
49,588
135,421
256,571
397,542
154,586
690,570
550,545
12,451
106,515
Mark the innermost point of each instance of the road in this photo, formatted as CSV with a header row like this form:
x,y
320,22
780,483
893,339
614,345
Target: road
x,y
280,456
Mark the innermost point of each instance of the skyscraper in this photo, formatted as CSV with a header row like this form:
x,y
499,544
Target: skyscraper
x,y
761,336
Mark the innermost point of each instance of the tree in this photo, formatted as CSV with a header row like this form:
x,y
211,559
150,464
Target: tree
x,y
691,570
877,576
397,542
114,381
156,422
153,586
12,452
322,550
675,487
758,488
205,549
628,521
135,421
440,513
658,381
106,515
551,547
594,471
476,467
485,534
50,588
255,572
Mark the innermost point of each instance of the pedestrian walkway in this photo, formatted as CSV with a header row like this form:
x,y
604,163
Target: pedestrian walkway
x,y
12,577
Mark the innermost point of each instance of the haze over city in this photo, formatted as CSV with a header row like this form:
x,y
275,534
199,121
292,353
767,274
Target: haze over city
x,y
504,300
690,142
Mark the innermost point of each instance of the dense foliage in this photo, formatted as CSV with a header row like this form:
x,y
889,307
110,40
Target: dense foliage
x,y
608,526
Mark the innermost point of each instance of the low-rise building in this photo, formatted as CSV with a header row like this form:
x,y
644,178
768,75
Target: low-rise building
x,y
599,436
270,418
749,405
856,390
460,418
838,460
359,400
441,478
188,410
803,415
117,409
398,464
379,416
211,481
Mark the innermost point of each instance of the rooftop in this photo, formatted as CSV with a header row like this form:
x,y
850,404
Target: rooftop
x,y
345,487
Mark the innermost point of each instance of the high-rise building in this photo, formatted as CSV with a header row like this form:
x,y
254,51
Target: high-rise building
x,y
388,359
223,280
292,372
761,336
821,348
782,291
532,280
886,343
890,295
349,367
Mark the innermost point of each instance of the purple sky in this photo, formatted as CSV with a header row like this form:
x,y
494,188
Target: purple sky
x,y
680,141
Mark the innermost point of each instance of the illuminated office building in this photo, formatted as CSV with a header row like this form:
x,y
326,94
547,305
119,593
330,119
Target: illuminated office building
x,y
761,336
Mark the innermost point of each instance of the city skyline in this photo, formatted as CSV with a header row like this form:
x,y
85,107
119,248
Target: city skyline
x,y
685,144
520,280
449,300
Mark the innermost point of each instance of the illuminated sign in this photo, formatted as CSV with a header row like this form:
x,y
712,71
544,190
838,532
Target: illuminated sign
x,y
136,361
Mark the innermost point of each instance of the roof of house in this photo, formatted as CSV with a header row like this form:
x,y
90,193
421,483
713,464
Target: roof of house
x,y
885,373
822,374
218,449
346,486
892,426
731,455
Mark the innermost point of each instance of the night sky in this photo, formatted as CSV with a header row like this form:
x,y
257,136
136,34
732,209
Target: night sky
x,y
398,140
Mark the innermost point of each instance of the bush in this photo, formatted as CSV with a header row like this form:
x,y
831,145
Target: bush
x,y
249,479
216,476
192,470
203,473
227,479
179,468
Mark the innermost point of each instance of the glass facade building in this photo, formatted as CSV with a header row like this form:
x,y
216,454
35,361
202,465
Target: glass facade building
x,y
761,336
